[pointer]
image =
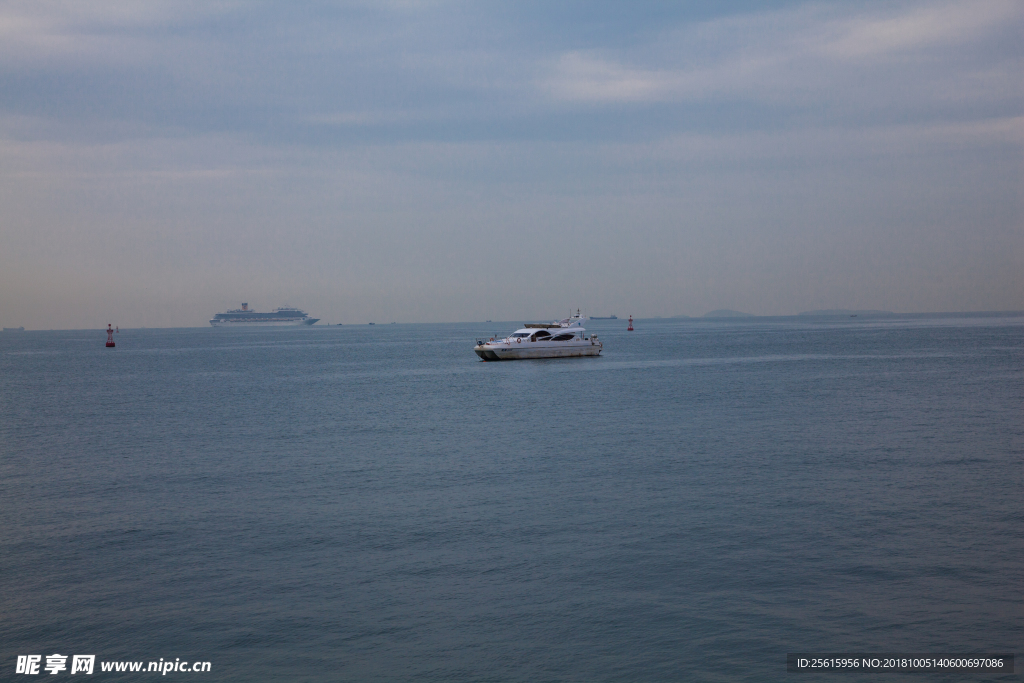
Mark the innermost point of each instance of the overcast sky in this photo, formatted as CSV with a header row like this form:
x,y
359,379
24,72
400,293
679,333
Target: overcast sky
x,y
446,161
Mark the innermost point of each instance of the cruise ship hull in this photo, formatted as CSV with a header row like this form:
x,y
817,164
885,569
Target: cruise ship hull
x,y
263,323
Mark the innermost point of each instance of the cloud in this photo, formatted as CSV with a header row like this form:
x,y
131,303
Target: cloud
x,y
48,30
582,77
938,25
791,56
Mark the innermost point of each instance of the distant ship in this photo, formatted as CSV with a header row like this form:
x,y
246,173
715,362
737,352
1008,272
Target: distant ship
x,y
243,317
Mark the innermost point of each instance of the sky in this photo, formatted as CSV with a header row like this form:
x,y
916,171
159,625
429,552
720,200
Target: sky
x,y
458,161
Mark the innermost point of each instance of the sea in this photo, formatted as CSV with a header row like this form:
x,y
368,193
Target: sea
x,y
375,503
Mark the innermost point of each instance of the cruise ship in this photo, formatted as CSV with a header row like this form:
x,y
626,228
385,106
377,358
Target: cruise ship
x,y
243,317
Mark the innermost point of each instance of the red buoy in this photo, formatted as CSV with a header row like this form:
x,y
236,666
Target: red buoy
x,y
110,336
630,328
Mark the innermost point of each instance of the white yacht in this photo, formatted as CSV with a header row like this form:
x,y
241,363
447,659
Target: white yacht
x,y
563,339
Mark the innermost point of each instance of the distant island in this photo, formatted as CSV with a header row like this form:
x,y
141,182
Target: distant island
x,y
844,311
598,317
726,313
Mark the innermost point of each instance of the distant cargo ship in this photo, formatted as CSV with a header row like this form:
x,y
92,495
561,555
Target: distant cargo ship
x,y
243,317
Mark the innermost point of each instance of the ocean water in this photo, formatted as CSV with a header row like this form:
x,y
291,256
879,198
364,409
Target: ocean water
x,y
376,504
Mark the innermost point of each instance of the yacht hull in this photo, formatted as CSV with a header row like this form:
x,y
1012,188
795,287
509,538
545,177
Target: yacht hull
x,y
535,350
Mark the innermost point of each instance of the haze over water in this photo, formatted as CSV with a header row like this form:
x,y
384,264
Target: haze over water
x,y
376,504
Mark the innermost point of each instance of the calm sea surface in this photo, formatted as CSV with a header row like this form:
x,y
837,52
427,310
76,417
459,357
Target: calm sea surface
x,y
376,504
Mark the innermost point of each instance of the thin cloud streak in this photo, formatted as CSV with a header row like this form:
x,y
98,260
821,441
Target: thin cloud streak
x,y
804,50
942,25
